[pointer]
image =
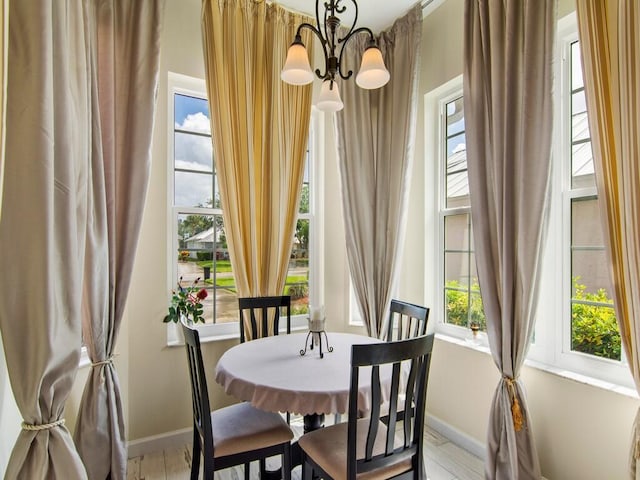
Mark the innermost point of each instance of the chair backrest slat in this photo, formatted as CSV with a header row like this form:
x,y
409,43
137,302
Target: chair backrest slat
x,y
264,315
392,358
393,406
406,320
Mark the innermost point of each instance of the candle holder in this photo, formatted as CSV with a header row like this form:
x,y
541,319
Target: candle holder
x,y
316,331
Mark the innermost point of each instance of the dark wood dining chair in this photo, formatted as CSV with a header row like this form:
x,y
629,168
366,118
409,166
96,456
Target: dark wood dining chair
x,y
261,316
234,435
406,320
366,447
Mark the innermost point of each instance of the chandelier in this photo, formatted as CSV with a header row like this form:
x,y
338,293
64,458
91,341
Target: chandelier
x,y
297,70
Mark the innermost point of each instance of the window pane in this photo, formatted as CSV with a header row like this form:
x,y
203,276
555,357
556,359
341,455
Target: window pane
x,y
457,232
581,154
580,127
297,283
576,67
582,173
193,152
199,236
304,194
226,309
593,324
457,190
586,226
463,304
191,114
457,181
455,117
193,189
195,246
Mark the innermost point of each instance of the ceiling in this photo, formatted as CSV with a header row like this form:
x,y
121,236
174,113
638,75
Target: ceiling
x,y
375,14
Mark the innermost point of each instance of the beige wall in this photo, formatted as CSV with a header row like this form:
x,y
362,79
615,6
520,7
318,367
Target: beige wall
x,y
581,432
9,415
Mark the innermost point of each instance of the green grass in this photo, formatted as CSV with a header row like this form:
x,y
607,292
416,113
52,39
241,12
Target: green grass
x,y
292,279
222,266
229,283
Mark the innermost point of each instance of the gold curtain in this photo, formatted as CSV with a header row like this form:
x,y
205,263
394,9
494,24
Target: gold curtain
x,y
259,128
610,44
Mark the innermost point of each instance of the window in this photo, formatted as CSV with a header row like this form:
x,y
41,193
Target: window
x,y
462,301
594,329
576,329
198,244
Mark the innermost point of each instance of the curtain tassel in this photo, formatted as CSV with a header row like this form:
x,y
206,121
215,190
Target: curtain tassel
x,y
516,411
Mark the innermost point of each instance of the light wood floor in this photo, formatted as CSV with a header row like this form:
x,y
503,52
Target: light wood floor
x,y
443,459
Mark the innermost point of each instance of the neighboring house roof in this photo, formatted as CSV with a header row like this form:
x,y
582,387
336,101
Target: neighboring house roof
x,y
204,236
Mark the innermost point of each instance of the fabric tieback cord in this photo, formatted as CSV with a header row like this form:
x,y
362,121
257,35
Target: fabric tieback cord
x,y
516,411
45,426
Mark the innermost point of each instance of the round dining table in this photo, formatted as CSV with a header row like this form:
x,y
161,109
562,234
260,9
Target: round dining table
x,y
272,374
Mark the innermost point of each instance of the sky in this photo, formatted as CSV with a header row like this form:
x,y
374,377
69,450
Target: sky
x,y
192,152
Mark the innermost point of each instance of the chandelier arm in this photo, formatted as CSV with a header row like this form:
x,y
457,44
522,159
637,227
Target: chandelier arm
x,y
323,42
353,25
372,42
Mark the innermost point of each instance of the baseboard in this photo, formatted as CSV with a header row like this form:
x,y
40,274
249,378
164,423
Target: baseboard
x,y
458,437
160,442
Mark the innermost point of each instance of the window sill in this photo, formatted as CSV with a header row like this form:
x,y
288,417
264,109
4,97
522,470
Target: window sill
x,y
559,372
224,337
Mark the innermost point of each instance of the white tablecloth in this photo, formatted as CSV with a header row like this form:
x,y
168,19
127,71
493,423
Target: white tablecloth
x,y
272,375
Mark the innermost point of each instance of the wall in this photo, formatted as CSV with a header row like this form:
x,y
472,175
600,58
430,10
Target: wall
x,y
581,431
10,417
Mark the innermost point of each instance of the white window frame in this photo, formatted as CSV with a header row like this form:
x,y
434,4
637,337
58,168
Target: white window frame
x,y
551,349
435,105
196,87
556,336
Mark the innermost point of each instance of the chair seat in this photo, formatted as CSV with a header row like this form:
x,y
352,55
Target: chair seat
x,y
328,448
242,427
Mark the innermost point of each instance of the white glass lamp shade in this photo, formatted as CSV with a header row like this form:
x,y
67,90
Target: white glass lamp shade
x,y
297,70
373,73
329,100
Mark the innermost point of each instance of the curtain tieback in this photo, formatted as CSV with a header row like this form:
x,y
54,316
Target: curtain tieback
x,y
103,362
44,426
516,411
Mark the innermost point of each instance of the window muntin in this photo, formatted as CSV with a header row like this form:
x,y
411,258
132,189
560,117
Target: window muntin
x,y
461,292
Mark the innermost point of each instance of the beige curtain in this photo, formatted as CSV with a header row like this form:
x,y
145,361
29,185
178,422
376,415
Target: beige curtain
x,y
259,128
42,233
508,77
376,134
4,31
125,56
610,44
